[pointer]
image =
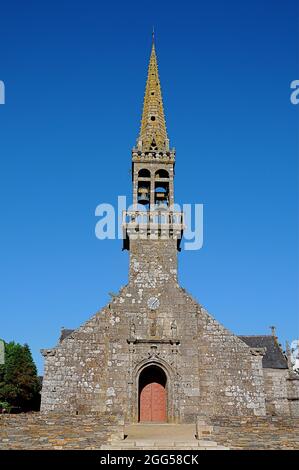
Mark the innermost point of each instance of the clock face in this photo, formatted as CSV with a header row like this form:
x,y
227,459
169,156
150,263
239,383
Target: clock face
x,y
153,303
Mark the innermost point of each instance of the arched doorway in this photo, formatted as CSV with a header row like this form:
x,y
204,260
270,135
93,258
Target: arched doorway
x,y
152,395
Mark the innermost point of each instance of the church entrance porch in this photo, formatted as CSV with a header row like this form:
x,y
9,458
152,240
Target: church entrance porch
x,y
152,395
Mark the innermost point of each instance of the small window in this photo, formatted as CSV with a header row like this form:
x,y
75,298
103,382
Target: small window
x,y
153,145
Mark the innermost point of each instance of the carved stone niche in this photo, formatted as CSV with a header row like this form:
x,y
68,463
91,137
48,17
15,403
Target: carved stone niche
x,y
48,352
258,351
153,352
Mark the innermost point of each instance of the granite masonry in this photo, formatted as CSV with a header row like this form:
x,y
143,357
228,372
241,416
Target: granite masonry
x,y
154,353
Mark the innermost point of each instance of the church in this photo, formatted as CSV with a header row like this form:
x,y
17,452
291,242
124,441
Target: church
x,y
154,354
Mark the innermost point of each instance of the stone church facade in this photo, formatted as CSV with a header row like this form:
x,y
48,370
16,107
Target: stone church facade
x,y
153,353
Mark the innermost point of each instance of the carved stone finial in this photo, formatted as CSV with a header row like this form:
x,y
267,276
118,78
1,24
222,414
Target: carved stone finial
x,y
153,351
289,355
273,330
48,352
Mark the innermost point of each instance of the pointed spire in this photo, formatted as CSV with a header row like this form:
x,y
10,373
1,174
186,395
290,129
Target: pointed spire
x,y
153,134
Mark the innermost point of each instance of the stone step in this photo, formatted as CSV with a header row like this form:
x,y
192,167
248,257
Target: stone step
x,y
163,445
195,448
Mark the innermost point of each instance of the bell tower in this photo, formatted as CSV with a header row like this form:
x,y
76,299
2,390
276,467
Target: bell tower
x,y
154,354
153,216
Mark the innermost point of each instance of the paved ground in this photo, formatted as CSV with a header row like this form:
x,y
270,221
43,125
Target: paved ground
x,y
162,436
161,432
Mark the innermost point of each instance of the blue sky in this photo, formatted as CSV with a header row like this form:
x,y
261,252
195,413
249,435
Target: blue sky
x,y
75,74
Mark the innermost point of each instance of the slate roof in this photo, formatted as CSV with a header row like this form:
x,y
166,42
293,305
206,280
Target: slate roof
x,y
274,357
64,334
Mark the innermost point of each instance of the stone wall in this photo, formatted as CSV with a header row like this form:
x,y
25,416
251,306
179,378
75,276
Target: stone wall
x,y
276,391
282,392
75,371
293,393
56,432
59,432
257,433
209,370
231,375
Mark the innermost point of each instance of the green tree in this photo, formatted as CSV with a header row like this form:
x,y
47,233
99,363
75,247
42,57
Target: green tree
x,y
19,383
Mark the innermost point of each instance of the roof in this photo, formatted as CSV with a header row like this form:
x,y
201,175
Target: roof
x,y
64,334
153,134
274,357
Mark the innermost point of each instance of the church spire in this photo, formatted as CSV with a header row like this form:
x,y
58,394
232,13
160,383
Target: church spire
x,y
153,134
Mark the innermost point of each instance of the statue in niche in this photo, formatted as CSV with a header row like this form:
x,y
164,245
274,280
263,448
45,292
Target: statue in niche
x,y
153,328
132,329
173,328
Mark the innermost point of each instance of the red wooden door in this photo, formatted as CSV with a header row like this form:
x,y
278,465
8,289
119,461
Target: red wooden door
x,y
153,402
